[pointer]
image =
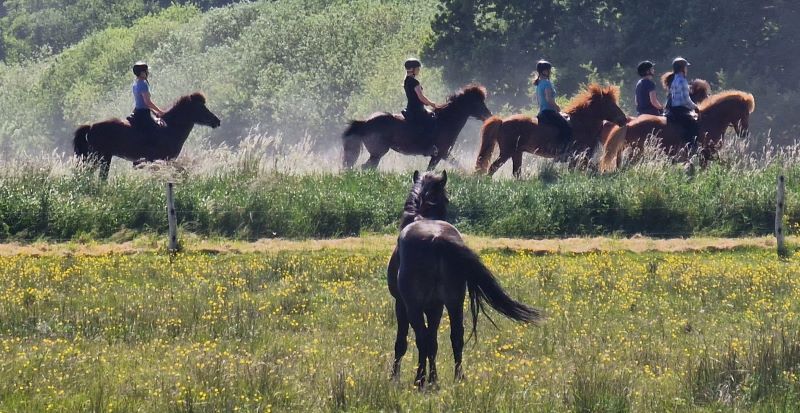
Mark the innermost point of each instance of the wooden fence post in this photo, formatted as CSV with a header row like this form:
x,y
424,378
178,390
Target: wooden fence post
x,y
779,206
172,218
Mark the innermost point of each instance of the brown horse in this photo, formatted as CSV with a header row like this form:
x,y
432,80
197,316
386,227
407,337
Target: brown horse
x,y
431,268
717,113
384,131
520,133
99,142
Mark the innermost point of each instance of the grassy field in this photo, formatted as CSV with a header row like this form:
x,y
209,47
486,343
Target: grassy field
x,y
255,192
311,329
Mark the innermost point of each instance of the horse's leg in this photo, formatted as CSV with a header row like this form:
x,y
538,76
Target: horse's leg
x,y
498,163
372,162
417,320
434,161
456,313
434,316
105,165
516,164
401,342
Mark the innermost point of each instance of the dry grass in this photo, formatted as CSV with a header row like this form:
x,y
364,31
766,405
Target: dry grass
x,y
636,244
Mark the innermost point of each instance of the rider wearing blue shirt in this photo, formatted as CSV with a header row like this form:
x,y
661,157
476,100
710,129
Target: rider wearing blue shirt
x,y
549,112
680,105
646,101
143,105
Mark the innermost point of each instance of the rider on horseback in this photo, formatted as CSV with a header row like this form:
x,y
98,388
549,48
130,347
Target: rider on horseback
x,y
415,113
141,117
549,112
646,101
680,107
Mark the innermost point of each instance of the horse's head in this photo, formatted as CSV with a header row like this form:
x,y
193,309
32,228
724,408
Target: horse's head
x,y
192,108
607,100
427,198
699,90
471,100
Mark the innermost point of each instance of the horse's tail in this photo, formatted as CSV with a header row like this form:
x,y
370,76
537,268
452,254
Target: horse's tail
x,y
490,133
612,150
484,288
81,141
351,138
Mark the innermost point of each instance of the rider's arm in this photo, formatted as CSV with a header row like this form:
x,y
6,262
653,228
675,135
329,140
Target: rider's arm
x,y
425,101
151,105
654,100
551,99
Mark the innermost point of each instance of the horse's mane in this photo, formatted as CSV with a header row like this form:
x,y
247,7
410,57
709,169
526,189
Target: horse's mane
x,y
666,79
472,90
412,210
193,97
592,93
730,95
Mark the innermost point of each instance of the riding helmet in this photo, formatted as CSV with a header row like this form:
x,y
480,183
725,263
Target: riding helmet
x,y
412,63
679,64
644,67
543,65
139,67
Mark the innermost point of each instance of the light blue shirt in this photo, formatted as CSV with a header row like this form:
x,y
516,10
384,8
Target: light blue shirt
x,y
543,85
139,87
679,90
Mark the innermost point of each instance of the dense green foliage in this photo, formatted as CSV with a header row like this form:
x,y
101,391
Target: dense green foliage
x,y
247,205
291,67
313,331
743,44
36,28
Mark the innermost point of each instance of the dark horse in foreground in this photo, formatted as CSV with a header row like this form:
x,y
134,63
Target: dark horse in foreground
x,y
101,141
384,131
431,268
517,134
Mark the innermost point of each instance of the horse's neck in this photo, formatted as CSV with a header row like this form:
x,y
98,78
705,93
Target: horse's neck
x,y
178,131
585,125
452,120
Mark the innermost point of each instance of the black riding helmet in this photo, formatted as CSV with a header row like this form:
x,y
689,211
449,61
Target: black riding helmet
x,y
412,63
140,67
543,65
679,64
644,67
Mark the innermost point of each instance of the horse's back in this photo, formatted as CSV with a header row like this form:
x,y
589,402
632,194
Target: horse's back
x,y
429,232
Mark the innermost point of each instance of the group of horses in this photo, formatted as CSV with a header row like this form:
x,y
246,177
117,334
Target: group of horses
x,y
598,123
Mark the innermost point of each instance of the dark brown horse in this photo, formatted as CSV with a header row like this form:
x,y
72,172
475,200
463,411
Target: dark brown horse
x,y
384,131
101,141
430,269
517,134
717,113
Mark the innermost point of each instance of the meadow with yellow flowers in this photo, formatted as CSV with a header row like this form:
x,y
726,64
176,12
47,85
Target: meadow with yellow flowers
x,y
303,330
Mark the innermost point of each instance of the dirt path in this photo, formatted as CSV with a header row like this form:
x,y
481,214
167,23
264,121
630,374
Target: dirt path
x,y
386,242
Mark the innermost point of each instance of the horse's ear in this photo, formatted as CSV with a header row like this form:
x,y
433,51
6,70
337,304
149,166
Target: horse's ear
x,y
415,177
444,178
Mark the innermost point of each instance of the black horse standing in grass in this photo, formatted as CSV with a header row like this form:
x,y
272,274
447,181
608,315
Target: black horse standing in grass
x,y
99,142
431,268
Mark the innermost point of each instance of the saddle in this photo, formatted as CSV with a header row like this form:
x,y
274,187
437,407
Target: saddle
x,y
423,126
146,124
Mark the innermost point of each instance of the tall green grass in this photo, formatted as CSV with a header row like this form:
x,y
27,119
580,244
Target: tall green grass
x,y
254,192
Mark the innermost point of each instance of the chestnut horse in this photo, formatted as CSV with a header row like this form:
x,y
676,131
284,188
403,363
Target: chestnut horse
x,y
521,133
99,142
384,131
722,110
